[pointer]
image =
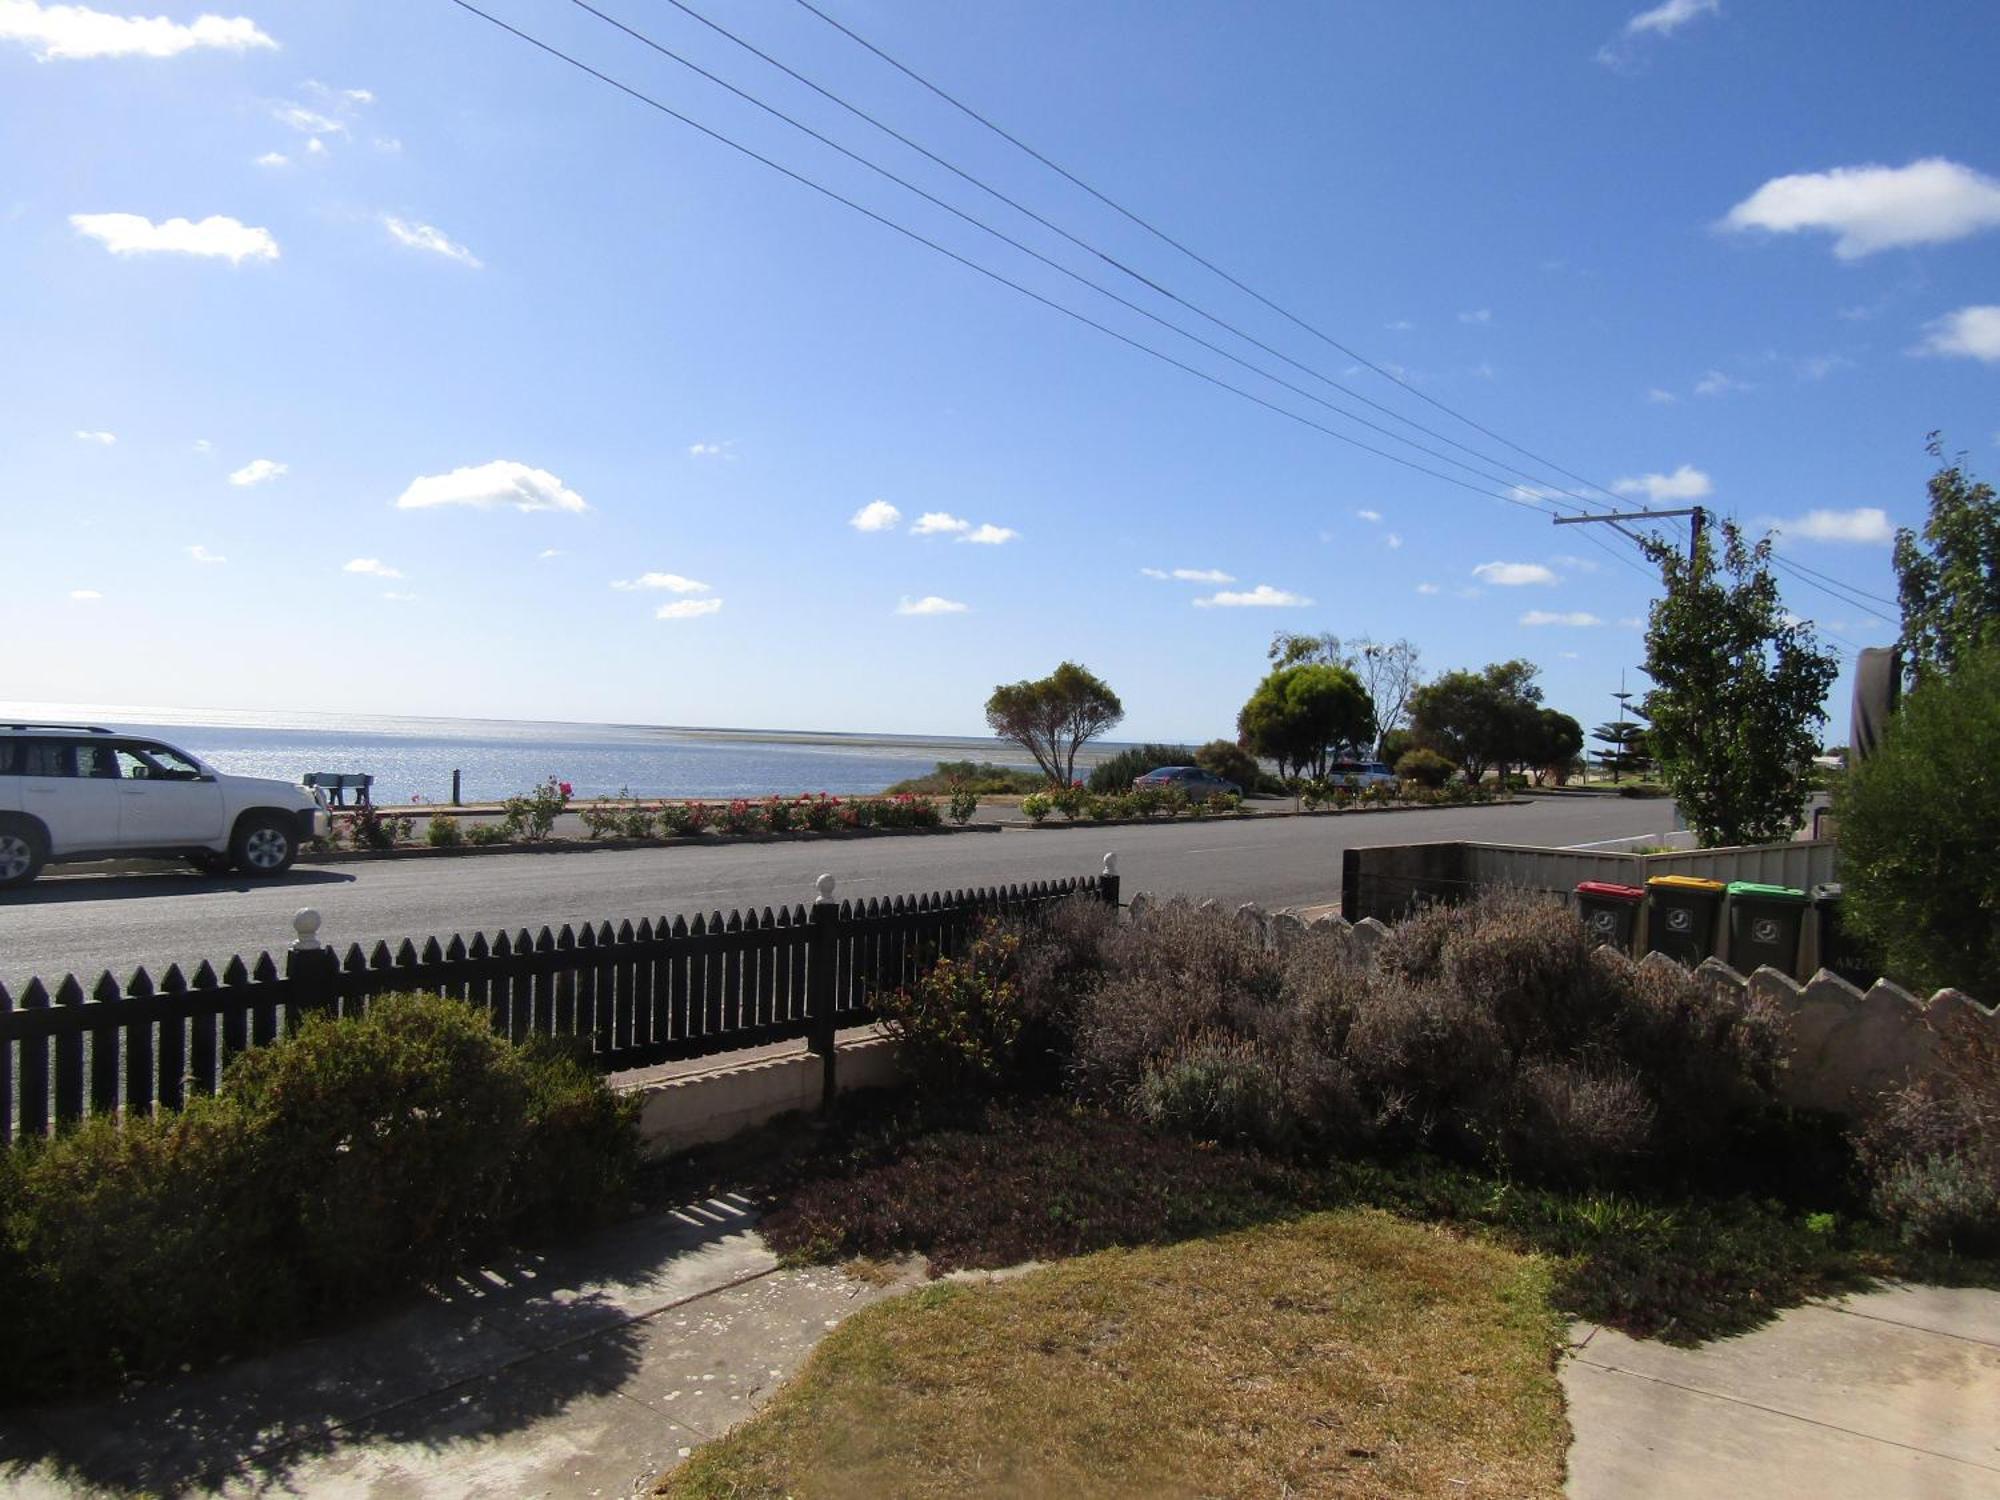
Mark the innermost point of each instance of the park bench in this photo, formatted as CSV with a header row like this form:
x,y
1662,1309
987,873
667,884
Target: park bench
x,y
337,784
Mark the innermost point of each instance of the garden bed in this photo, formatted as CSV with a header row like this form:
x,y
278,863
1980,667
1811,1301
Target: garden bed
x,y
582,845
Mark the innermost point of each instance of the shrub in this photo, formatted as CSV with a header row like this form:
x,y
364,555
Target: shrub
x,y
533,817
1036,806
982,778
1931,1153
1425,768
818,812
680,819
1215,1089
1219,803
350,1161
964,803
601,817
1922,885
444,832
740,817
961,1022
488,833
1119,772
777,814
367,827
1230,761
637,822
1059,961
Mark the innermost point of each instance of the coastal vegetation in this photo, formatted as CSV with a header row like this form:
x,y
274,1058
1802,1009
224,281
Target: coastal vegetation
x,y
1054,717
982,778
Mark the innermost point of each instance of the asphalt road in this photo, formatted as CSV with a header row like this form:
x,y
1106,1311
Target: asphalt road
x,y
84,923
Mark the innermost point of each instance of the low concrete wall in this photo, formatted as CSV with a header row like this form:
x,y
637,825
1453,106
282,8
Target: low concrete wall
x,y
691,1109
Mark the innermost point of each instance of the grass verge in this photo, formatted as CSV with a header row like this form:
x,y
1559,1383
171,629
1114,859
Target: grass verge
x,y
1345,1353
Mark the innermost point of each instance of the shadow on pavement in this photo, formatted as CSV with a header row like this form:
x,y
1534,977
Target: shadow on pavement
x,y
516,1342
167,881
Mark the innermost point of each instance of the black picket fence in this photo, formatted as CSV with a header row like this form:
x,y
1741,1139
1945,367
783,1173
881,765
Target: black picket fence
x,y
635,995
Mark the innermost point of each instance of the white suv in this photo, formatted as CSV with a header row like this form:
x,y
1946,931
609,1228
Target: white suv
x,y
74,791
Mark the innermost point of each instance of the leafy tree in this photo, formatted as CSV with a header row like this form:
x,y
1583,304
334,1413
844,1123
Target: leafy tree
x,y
1290,648
1394,745
1919,822
1229,760
1390,673
1554,746
1117,773
1301,715
1950,591
1738,687
1481,720
1053,717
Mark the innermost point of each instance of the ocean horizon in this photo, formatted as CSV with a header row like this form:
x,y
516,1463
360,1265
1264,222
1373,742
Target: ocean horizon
x,y
412,757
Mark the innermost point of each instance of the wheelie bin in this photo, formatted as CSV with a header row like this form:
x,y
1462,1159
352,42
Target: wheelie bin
x,y
1610,912
1765,922
1838,950
1681,913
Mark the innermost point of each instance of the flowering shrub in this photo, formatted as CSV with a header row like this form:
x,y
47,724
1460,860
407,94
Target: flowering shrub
x,y
1036,806
533,817
960,1024
679,818
1173,801
636,822
1070,800
818,812
964,803
487,833
366,828
1142,802
1224,802
601,817
740,817
777,814
444,832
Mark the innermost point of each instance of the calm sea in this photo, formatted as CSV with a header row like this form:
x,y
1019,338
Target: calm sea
x,y
413,757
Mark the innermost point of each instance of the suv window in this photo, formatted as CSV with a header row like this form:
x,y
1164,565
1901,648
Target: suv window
x,y
138,761
95,759
35,757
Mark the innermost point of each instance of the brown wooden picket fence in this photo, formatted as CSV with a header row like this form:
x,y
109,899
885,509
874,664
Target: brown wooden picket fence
x,y
635,994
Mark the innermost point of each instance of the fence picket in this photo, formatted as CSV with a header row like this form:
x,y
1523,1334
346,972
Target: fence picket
x,y
172,1092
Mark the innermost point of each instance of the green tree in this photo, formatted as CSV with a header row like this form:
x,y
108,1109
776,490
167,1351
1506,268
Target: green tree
x,y
1481,720
1556,742
1230,761
1738,685
1301,715
1919,823
1290,648
1625,747
1053,717
1949,588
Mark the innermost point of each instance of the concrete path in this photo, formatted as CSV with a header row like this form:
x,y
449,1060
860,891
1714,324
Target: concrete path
x,y
1889,1394
590,1371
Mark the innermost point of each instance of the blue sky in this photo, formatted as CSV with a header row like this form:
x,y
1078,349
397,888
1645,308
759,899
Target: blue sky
x,y
358,352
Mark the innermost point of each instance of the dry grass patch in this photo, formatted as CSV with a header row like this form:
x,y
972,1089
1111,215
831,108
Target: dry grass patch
x,y
1348,1354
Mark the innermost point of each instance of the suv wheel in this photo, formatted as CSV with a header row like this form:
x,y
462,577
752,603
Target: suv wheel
x,y
22,853
264,845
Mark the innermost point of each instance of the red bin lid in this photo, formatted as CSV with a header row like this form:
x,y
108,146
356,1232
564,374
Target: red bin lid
x,y
1610,891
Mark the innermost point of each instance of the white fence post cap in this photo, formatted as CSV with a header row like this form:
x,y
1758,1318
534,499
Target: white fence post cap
x,y
1111,863
305,922
824,885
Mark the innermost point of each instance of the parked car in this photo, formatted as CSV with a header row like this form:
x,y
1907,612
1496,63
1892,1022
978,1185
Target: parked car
x,y
78,791
1199,785
1360,774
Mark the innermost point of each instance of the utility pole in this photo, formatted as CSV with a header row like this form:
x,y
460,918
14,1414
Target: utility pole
x,y
1698,515
1697,518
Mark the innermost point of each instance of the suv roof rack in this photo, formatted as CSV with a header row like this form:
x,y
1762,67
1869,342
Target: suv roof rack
x,y
77,728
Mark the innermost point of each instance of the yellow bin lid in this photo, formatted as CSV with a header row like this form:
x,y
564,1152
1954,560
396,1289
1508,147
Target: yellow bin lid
x,y
1687,883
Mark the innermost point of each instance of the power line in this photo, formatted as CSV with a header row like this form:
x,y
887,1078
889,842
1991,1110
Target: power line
x,y
1086,246
974,265
1197,258
1056,265
1842,583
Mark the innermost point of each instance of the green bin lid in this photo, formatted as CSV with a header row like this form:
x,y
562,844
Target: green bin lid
x,y
1738,888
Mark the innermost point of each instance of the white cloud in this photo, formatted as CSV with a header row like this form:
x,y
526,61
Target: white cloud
x,y
201,554
1393,541
428,237
1369,515
673,583
202,445
931,604
339,96
1685,483
258,471
876,515
492,486
85,596
101,439
1513,575
389,144
217,236
1573,563
1427,588
1196,575
1819,366
1875,208
547,553
1665,19
75,31
939,523
372,567
989,535
315,147
308,121
1632,622
398,598
1715,383
1477,315
687,609
711,450
1401,325
274,159
1575,617
1865,524
1971,332
1261,597
1661,398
